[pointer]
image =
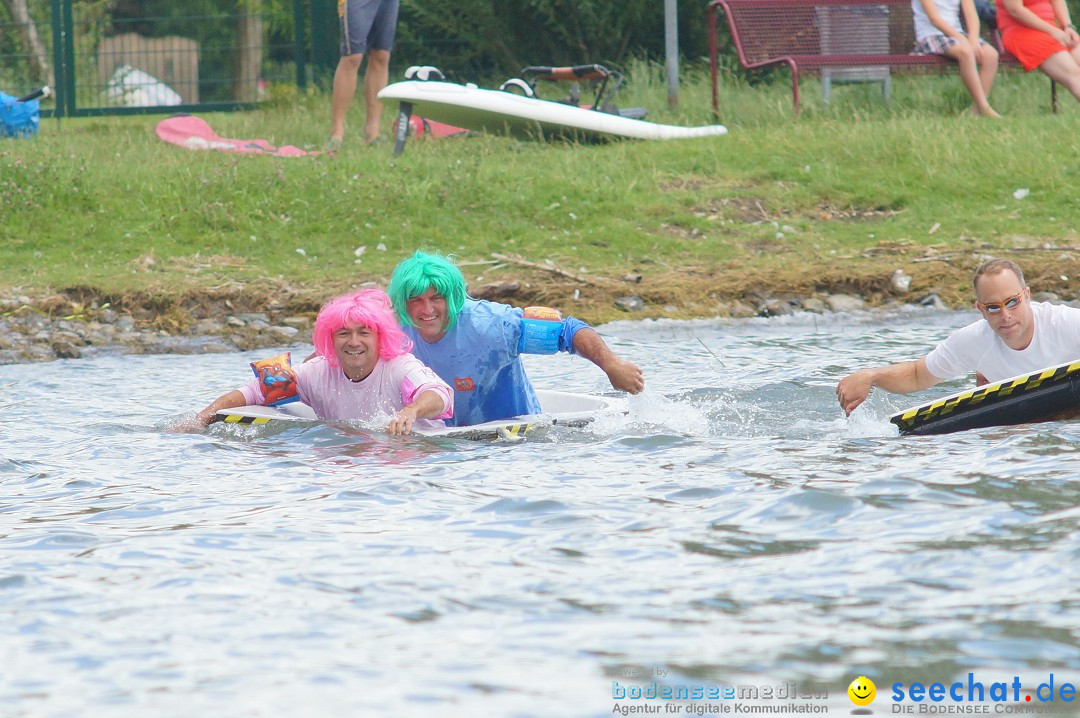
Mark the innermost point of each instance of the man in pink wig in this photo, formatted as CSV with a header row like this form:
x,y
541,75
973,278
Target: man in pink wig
x,y
362,370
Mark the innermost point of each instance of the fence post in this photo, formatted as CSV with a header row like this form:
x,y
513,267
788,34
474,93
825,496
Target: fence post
x,y
324,38
671,50
60,87
69,58
299,49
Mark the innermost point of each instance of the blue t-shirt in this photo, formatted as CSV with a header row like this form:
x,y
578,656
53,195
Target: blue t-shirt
x,y
479,359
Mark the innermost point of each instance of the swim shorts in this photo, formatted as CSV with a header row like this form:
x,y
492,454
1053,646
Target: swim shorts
x,y
1031,47
367,25
938,44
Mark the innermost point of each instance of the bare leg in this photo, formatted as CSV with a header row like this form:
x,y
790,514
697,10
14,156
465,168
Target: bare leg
x,y
964,55
375,78
1064,67
988,69
344,90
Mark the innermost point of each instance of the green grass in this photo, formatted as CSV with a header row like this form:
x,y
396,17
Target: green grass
x,y
103,203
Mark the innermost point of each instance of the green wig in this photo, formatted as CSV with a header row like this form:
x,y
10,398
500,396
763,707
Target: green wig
x,y
418,273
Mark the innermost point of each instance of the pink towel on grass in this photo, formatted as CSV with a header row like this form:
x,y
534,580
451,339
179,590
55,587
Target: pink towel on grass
x,y
193,133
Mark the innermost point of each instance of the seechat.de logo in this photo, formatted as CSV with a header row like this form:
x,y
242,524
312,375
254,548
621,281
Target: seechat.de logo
x,y
862,692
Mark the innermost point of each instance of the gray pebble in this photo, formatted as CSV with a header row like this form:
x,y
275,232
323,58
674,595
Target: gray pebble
x,y
285,333
252,317
844,302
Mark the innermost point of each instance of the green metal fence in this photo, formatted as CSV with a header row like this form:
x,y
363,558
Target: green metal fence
x,y
111,58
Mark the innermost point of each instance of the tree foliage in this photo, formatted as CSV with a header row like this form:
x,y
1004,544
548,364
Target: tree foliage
x,y
501,36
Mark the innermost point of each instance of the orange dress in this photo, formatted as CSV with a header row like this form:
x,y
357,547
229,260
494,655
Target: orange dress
x,y
1030,46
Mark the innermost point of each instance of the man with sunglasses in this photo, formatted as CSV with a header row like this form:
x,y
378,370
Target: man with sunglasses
x,y
1015,336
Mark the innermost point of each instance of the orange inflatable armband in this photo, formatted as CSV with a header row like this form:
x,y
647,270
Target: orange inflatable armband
x,y
277,380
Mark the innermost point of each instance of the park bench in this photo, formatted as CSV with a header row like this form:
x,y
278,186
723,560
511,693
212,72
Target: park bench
x,y
844,40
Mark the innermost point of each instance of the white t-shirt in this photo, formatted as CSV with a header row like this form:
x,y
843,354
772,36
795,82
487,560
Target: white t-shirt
x,y
949,10
977,348
391,385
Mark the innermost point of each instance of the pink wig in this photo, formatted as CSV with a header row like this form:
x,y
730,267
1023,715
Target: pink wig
x,y
369,307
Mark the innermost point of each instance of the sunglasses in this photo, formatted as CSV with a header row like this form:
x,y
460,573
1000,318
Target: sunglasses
x,y
1010,303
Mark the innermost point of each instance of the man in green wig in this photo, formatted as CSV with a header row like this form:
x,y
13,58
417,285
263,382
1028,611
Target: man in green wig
x,y
476,345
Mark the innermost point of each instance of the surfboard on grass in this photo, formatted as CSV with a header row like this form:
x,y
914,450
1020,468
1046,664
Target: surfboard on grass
x,y
560,408
509,113
1045,395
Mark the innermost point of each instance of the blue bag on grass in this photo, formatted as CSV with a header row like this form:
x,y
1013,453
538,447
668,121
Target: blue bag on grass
x,y
18,119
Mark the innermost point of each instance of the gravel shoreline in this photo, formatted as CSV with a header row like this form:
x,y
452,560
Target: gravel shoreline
x,y
28,333
82,322
34,331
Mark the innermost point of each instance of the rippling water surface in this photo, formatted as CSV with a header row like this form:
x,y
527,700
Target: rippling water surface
x,y
733,529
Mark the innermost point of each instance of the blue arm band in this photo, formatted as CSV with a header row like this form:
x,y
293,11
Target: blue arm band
x,y
540,336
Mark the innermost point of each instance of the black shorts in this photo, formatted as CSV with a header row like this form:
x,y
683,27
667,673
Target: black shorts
x,y
367,25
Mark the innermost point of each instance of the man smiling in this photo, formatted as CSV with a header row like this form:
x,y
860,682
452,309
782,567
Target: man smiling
x,y
1015,336
475,345
361,370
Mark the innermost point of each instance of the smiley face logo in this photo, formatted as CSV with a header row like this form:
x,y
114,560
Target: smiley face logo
x,y
862,691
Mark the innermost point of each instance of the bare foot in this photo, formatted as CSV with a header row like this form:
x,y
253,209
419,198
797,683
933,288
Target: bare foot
x,y
987,111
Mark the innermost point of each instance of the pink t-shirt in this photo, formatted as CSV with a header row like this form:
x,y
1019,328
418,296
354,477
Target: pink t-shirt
x,y
392,385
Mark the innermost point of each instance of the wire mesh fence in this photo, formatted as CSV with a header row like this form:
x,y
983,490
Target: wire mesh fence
x,y
115,57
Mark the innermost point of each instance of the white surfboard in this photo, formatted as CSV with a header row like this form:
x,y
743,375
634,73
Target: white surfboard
x,y
561,408
505,112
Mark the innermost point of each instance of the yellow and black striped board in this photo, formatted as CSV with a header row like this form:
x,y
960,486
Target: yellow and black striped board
x,y
1043,395
566,409
241,419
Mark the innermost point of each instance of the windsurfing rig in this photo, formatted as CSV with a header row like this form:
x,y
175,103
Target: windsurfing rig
x,y
607,83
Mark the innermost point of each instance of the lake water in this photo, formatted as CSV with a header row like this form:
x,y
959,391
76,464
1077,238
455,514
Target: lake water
x,y
733,530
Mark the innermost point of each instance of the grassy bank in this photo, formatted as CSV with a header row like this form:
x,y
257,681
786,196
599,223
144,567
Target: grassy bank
x,y
834,200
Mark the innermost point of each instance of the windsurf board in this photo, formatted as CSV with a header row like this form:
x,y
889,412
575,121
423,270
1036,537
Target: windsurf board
x,y
1044,395
497,111
560,408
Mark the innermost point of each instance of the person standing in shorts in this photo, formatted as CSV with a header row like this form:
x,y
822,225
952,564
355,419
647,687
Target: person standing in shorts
x,y
1041,35
938,31
367,27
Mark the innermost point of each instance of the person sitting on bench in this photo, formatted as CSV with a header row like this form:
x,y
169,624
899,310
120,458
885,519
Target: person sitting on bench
x,y
938,32
1041,35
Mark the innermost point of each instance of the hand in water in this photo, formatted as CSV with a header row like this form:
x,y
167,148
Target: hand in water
x,y
401,422
627,377
853,390
191,423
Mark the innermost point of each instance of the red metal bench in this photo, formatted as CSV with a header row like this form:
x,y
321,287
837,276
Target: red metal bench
x,y
844,40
